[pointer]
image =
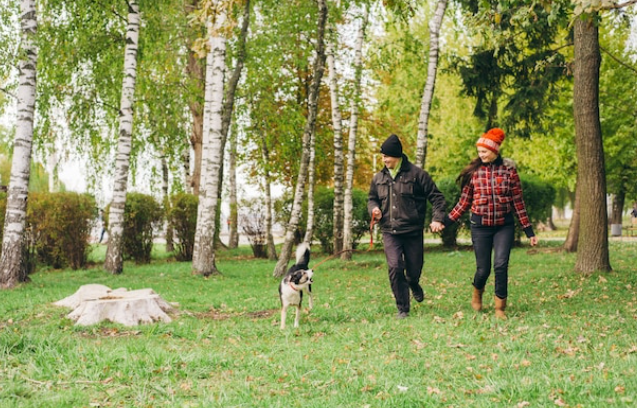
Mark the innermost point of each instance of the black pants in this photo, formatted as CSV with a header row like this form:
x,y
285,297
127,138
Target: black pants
x,y
497,240
405,258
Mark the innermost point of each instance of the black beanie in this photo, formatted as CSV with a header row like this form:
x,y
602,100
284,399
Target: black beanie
x,y
392,147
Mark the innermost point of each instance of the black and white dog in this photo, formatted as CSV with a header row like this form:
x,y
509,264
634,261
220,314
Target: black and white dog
x,y
296,281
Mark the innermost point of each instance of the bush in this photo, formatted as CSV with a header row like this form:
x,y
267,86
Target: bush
x,y
59,227
142,215
450,189
324,217
183,221
252,218
539,197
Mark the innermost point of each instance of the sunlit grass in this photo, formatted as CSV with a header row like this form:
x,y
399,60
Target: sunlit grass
x,y
569,340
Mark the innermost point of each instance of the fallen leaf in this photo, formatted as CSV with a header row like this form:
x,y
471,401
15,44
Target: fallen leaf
x,y
559,402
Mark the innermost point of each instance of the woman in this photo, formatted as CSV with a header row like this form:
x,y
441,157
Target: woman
x,y
491,188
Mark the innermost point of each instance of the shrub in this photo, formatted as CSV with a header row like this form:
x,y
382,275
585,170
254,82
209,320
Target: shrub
x,y
142,215
59,227
324,217
183,221
252,219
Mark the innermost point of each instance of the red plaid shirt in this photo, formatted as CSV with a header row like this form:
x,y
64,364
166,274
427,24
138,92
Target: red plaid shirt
x,y
493,192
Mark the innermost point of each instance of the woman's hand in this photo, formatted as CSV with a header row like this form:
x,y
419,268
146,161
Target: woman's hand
x,y
533,240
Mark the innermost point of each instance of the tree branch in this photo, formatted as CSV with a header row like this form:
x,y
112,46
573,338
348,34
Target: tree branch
x,y
619,5
620,62
9,93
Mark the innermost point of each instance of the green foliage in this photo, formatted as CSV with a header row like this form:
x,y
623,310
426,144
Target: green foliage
x,y
569,339
142,216
183,220
538,197
324,217
59,227
512,73
451,191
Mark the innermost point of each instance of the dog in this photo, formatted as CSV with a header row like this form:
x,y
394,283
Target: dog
x,y
297,280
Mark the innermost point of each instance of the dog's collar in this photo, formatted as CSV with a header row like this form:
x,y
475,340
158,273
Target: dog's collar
x,y
293,287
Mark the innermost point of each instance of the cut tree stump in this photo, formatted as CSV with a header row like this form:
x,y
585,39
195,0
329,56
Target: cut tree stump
x,y
94,303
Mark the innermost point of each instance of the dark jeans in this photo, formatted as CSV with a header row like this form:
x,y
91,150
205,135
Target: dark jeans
x,y
405,258
499,240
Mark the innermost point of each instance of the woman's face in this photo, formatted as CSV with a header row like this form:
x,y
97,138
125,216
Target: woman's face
x,y
486,155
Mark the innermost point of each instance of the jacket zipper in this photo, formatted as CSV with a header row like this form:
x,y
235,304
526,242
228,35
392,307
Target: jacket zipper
x,y
493,194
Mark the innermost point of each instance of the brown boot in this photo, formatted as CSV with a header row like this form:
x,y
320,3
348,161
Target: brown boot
x,y
500,305
476,299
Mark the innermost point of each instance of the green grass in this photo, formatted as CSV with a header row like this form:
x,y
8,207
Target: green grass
x,y
569,340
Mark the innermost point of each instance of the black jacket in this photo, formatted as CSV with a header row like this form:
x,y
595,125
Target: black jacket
x,y
403,200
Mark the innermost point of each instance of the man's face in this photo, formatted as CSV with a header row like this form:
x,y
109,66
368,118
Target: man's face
x,y
390,162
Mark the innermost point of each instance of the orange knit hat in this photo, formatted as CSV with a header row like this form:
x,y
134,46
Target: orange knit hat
x,y
491,140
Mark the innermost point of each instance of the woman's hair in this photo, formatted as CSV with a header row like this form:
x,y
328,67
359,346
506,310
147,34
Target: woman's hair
x,y
465,175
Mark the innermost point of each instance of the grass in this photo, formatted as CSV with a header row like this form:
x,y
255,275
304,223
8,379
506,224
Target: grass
x,y
569,340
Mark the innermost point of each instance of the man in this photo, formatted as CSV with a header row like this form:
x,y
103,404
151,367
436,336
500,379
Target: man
x,y
397,201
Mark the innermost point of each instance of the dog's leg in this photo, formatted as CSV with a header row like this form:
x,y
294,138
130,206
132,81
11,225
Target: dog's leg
x,y
284,313
297,317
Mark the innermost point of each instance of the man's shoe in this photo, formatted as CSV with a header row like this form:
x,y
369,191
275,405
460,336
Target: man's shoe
x,y
402,315
419,294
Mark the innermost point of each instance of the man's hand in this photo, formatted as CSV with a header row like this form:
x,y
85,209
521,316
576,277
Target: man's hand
x,y
377,214
436,226
533,240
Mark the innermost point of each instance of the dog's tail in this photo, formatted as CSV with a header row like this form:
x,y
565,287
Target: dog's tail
x,y
303,254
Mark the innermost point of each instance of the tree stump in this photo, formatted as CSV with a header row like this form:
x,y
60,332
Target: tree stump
x,y
94,303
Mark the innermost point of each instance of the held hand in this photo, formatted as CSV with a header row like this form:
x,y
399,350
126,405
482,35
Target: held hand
x,y
533,240
436,226
377,214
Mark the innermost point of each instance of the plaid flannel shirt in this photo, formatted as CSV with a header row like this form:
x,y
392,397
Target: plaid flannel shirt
x,y
493,192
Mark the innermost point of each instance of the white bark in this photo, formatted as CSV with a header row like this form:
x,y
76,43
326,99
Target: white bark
x,y
114,262
337,125
95,303
265,155
233,224
203,261
351,143
319,67
428,94
12,267
309,232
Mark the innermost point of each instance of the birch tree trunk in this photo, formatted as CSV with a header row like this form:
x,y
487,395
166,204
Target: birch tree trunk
x,y
348,244
592,246
228,106
265,155
114,262
428,94
337,125
319,67
233,218
203,262
12,266
165,190
309,232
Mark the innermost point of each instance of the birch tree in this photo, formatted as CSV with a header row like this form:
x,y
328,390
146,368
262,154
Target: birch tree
x,y
319,66
428,93
348,244
203,262
114,262
337,125
12,265
310,190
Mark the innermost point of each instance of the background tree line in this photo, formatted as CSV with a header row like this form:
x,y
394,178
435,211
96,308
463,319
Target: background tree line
x,y
299,94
